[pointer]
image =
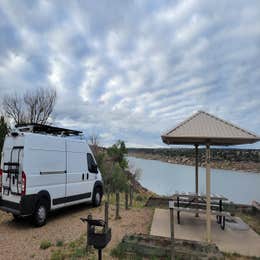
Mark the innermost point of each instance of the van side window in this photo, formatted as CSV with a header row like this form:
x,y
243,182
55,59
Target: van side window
x,y
92,167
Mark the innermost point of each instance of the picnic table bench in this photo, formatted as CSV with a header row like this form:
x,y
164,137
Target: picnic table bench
x,y
196,203
213,196
256,204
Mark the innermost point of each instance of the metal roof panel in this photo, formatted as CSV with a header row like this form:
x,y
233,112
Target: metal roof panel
x,y
203,127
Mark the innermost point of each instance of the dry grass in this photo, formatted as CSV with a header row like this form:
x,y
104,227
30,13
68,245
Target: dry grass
x,y
65,225
252,219
235,256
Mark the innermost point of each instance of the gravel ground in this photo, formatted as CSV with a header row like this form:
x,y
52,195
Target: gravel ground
x,y
20,240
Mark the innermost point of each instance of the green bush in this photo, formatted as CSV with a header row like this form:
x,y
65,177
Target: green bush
x,y
45,244
72,244
57,255
118,251
79,252
59,243
139,197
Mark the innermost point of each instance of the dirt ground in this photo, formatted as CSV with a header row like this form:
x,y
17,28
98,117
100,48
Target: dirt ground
x,y
20,240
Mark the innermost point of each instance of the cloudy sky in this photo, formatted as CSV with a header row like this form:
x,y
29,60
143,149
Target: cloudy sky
x,y
132,69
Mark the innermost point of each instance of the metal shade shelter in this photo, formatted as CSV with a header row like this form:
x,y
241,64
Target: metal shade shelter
x,y
205,129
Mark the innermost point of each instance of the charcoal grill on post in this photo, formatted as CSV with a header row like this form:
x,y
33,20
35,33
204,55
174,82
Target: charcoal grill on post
x,y
97,238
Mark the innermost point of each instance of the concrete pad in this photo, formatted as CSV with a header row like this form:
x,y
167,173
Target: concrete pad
x,y
239,224
244,242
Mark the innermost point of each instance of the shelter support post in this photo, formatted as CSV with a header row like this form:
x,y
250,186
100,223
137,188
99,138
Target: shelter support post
x,y
196,169
172,229
208,234
196,174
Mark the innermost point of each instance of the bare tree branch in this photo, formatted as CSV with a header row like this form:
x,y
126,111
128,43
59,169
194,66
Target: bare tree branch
x,y
94,142
33,107
13,108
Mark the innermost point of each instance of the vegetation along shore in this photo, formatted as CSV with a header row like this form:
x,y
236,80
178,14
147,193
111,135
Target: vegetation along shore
x,y
228,159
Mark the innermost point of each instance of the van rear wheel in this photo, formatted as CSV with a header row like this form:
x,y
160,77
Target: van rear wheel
x,y
97,197
16,217
40,213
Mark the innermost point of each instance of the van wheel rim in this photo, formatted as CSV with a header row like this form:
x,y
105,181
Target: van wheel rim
x,y
97,198
41,214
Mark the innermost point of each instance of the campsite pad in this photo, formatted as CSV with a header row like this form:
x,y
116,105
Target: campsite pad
x,y
231,240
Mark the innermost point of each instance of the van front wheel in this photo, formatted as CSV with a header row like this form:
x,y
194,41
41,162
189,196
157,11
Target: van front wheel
x,y
97,197
40,213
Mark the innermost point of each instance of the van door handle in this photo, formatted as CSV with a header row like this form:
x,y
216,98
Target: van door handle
x,y
83,176
87,176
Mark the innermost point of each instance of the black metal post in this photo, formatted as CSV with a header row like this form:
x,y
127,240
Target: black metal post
x,y
126,200
117,205
106,215
220,209
88,232
131,196
99,254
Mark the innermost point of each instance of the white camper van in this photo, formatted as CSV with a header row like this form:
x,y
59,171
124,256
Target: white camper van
x,y
44,168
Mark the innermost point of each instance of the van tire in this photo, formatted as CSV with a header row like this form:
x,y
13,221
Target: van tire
x,y
97,197
41,212
16,217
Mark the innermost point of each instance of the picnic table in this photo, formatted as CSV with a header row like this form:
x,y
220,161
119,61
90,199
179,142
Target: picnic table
x,y
192,202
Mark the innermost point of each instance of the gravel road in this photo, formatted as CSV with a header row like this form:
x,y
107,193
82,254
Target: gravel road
x,y
20,240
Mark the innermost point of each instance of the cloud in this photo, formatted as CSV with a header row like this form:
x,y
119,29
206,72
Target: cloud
x,y
133,69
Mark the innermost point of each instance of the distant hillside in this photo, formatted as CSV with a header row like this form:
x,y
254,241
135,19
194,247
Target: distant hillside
x,y
233,159
238,155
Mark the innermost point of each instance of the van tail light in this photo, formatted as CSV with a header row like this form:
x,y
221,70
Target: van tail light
x,y
23,190
1,183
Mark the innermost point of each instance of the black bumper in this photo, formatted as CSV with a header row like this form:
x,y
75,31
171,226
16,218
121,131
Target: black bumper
x,y
24,208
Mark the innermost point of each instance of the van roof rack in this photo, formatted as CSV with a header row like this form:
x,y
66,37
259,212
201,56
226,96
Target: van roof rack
x,y
47,129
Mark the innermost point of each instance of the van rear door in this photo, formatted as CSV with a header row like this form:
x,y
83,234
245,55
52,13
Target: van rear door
x,y
13,170
12,166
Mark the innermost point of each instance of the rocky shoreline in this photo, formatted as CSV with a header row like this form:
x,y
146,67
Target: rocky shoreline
x,y
138,187
225,164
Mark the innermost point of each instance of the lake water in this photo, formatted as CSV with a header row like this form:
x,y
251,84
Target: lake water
x,y
166,178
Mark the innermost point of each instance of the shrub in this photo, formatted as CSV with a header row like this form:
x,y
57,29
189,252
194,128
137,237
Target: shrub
x,y
59,243
45,244
79,252
72,244
139,197
118,251
57,255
